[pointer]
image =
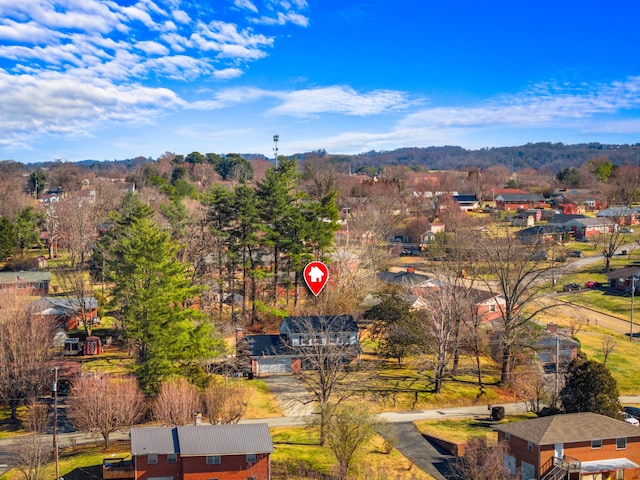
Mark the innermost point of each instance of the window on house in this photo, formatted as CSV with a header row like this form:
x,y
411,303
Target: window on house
x,y
214,460
172,458
152,459
529,446
621,443
251,478
507,437
251,458
596,443
492,308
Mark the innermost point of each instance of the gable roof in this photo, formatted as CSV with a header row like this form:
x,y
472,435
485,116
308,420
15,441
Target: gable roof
x,y
625,273
408,278
202,440
520,197
321,323
224,439
63,305
592,222
613,212
159,440
27,277
568,428
260,345
560,218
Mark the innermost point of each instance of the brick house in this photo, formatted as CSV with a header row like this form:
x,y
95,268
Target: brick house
x,y
26,283
67,312
589,227
575,446
517,201
202,452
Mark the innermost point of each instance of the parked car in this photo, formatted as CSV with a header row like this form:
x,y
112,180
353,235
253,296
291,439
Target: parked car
x,y
569,287
575,254
626,230
631,420
593,284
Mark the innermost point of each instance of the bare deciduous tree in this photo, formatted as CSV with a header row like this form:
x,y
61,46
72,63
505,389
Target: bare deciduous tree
x,y
482,462
325,360
225,402
77,287
348,430
176,403
26,350
104,404
514,271
32,453
608,346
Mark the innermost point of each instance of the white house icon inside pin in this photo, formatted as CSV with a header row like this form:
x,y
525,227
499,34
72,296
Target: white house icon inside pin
x,y
315,274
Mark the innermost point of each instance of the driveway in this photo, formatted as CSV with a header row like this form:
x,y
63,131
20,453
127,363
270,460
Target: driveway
x,y
292,397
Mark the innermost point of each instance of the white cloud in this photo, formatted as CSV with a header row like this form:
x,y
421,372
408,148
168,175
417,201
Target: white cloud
x,y
29,32
152,48
228,73
542,106
246,4
339,99
181,16
55,103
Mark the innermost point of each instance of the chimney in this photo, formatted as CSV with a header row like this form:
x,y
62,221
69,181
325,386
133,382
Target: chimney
x,y
197,418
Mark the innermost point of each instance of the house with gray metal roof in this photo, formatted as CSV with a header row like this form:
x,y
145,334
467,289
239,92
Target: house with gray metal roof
x,y
194,452
584,446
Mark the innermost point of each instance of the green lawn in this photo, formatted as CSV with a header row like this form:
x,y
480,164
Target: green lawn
x,y
460,430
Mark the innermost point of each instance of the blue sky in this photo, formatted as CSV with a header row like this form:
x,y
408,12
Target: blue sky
x,y
114,79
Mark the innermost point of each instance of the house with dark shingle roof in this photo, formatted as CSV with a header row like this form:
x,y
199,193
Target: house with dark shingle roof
x,y
584,446
195,452
298,335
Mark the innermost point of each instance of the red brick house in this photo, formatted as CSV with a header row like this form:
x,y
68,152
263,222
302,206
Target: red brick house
x,y
26,283
202,452
488,306
516,201
575,446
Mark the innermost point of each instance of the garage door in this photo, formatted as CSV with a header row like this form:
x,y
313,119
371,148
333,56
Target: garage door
x,y
270,366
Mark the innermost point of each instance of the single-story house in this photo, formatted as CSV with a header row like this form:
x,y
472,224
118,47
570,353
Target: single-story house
x,y
488,306
66,311
584,446
589,227
622,278
560,220
620,215
516,201
26,283
197,452
560,348
538,234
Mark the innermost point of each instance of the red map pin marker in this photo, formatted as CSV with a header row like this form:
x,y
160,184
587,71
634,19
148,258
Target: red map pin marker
x,y
316,275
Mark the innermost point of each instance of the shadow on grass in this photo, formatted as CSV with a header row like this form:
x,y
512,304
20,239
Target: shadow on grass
x,y
84,473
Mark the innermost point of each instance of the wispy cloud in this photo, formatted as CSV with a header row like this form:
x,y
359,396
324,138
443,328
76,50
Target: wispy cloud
x,y
246,5
543,105
311,102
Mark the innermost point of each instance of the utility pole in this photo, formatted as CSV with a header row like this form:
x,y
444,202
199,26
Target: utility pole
x,y
633,296
275,149
54,389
